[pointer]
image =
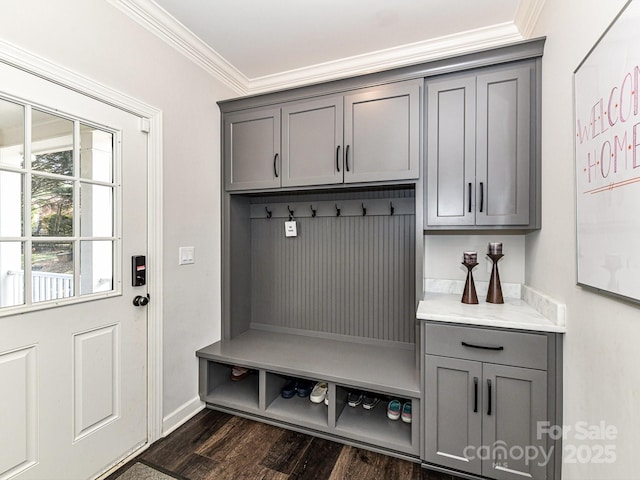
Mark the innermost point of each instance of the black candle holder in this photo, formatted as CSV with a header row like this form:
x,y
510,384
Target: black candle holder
x,y
469,294
494,292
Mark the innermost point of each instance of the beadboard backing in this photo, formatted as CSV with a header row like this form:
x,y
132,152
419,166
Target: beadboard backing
x,y
345,276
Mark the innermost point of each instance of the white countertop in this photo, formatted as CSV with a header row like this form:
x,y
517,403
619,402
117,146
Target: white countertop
x,y
513,313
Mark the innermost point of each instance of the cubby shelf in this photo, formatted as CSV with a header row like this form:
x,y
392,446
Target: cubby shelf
x,y
387,370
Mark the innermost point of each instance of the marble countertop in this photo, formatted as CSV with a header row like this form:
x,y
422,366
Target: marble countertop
x,y
534,311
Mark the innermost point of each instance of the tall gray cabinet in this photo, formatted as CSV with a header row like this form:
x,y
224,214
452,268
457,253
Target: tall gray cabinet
x,y
481,148
337,302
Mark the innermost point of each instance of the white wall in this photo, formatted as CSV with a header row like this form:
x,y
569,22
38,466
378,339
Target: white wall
x,y
94,39
601,375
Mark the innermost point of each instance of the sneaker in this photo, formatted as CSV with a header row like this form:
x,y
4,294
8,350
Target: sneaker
x,y
354,398
319,392
406,412
369,402
304,387
238,373
393,409
326,400
289,389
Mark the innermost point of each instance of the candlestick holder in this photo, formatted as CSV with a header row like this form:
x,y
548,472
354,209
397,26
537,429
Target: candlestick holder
x,y
469,294
494,292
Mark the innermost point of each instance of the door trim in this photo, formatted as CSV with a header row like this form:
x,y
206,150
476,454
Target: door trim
x,y
19,58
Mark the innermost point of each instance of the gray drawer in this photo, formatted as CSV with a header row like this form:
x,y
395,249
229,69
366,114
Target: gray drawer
x,y
518,349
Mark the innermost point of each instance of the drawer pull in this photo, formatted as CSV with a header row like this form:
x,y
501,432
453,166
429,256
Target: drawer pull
x,y
489,397
475,394
482,347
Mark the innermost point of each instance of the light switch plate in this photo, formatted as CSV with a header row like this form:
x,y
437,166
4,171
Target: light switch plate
x,y
290,228
186,255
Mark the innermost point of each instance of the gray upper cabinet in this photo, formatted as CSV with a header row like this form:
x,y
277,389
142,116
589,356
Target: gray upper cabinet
x,y
481,162
366,135
312,142
252,149
382,133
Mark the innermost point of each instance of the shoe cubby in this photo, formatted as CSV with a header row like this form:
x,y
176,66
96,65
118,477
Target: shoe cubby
x,y
297,410
373,426
218,387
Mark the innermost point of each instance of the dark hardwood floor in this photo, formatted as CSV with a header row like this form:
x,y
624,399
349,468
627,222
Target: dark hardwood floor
x,y
215,445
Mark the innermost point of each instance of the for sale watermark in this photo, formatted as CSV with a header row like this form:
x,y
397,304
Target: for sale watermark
x,y
582,442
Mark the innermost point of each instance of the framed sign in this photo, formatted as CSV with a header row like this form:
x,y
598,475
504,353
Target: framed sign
x,y
607,159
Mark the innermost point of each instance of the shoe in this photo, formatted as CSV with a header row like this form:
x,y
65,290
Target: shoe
x,y
304,388
393,409
406,412
319,392
354,398
238,373
369,402
326,400
289,389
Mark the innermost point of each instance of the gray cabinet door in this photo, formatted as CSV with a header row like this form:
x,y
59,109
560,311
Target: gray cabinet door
x,y
453,406
382,133
451,150
312,142
504,148
252,149
515,401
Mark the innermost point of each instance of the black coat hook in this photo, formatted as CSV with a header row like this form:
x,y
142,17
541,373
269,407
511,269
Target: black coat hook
x,y
337,211
364,210
268,212
313,212
290,213
391,209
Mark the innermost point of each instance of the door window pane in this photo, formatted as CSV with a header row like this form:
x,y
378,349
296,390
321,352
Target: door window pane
x,y
96,211
96,154
52,271
11,134
51,143
51,207
96,266
11,204
11,274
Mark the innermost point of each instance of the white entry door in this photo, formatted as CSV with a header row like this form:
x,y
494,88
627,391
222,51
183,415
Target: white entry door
x,y
73,347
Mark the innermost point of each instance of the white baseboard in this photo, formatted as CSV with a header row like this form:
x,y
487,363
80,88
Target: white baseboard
x,y
180,415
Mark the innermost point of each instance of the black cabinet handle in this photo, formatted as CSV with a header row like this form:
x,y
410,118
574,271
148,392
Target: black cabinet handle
x,y
475,394
275,165
469,197
482,347
346,158
481,196
489,397
338,158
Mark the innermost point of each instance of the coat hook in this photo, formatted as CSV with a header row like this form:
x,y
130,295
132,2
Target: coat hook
x,y
268,212
391,209
364,210
337,211
313,212
290,213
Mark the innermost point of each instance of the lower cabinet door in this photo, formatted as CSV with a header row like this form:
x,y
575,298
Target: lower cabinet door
x,y
515,401
453,413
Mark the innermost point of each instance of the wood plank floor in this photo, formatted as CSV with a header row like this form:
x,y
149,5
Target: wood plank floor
x,y
215,445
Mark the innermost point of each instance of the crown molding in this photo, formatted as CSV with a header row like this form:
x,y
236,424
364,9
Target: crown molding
x,y
395,57
158,21
527,16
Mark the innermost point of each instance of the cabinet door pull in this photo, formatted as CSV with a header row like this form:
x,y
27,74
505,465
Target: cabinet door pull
x,y
488,397
483,347
469,197
346,158
475,394
338,158
275,165
481,196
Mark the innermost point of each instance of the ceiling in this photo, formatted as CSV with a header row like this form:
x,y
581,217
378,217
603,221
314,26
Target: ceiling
x,y
261,45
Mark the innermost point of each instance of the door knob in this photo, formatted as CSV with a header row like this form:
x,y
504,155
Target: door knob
x,y
140,301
